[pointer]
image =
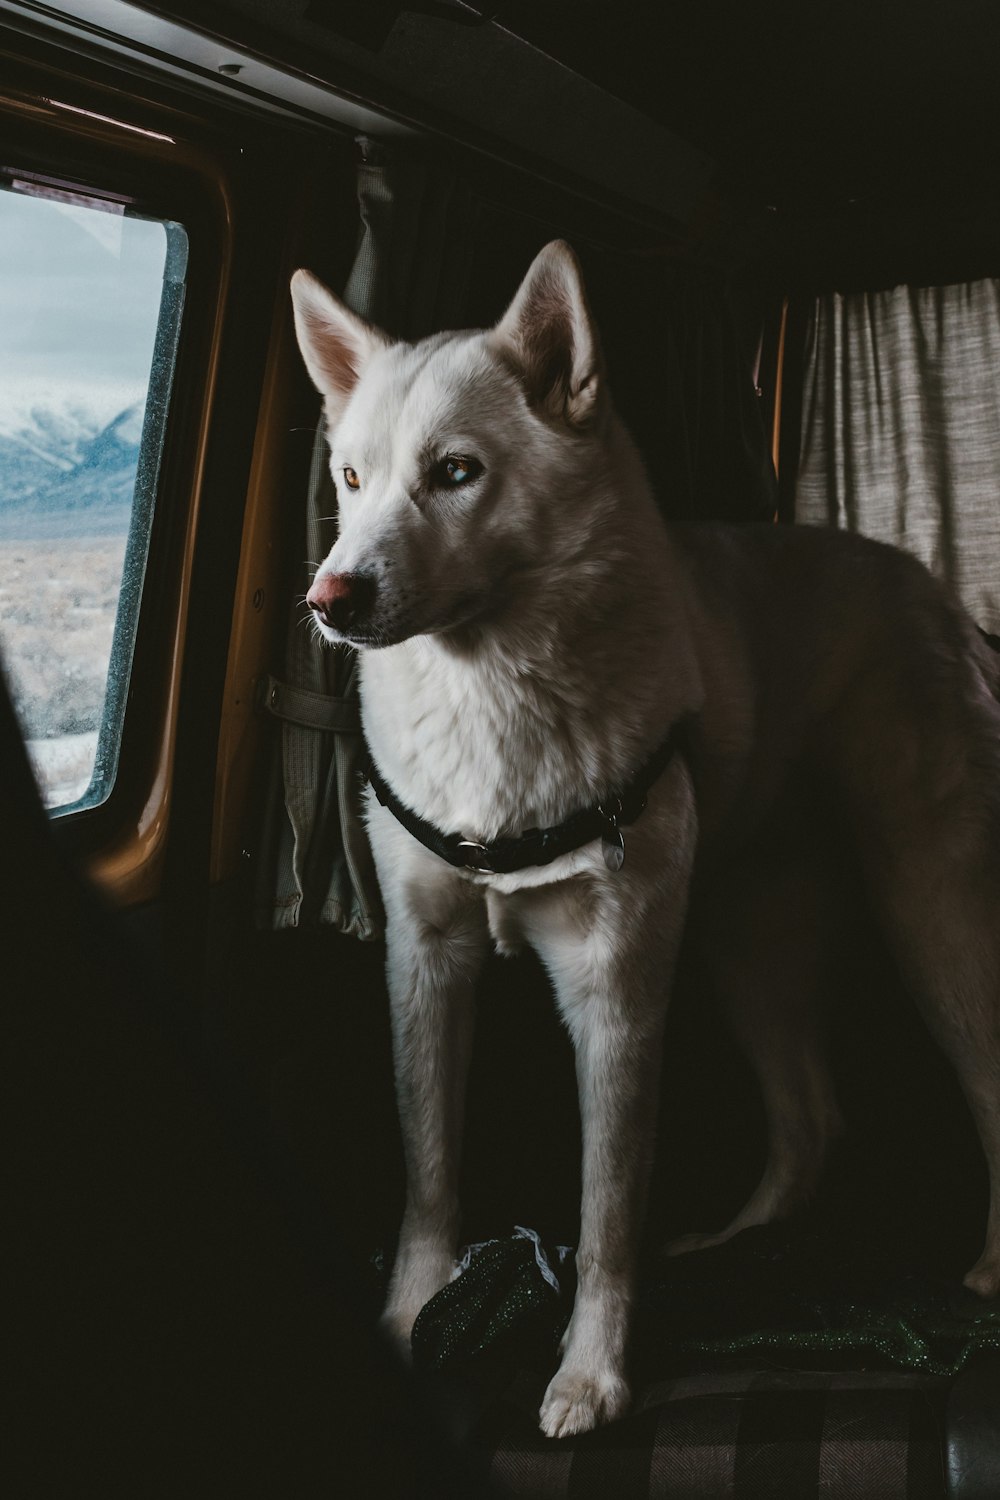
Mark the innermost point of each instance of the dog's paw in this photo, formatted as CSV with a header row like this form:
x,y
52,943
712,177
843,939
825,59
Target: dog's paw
x,y
577,1401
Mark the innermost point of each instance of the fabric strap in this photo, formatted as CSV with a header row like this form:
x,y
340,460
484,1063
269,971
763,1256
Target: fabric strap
x,y
310,710
537,846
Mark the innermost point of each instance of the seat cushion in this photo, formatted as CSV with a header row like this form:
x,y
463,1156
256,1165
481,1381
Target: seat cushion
x,y
767,1367
750,1434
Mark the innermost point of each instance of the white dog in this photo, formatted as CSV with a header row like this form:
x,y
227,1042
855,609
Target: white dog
x,y
575,715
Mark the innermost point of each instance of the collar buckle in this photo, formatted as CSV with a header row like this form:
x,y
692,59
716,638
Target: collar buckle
x,y
475,856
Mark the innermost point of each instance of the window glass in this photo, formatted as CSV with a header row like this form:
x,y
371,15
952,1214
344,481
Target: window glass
x,y
90,302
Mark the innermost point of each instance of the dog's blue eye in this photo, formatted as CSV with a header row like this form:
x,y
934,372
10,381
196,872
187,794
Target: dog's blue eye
x,y
454,470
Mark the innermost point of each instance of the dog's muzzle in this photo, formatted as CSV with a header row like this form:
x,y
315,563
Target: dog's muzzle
x,y
341,600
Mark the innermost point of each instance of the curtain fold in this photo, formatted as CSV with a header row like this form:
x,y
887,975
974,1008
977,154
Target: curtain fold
x,y
900,430
720,429
408,276
682,377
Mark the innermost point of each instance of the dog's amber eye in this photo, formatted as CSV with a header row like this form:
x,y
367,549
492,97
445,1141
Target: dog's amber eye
x,y
454,470
351,479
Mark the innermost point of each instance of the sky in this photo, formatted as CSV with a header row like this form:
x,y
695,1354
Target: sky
x,y
79,297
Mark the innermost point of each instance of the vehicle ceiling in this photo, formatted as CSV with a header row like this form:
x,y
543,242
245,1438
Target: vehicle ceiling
x,y
851,138
870,118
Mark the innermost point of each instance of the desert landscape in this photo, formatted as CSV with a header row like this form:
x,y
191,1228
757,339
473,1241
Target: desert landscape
x,y
58,600
67,474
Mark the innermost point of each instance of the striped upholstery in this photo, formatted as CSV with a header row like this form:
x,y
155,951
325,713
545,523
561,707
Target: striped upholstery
x,y
748,1434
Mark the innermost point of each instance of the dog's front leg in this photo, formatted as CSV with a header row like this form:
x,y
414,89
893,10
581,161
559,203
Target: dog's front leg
x,y
436,940
618,1067
611,955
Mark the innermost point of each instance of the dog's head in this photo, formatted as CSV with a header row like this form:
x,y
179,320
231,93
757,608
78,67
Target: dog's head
x,y
455,458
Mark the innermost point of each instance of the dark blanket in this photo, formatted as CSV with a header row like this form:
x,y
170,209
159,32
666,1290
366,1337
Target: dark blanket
x,y
786,1293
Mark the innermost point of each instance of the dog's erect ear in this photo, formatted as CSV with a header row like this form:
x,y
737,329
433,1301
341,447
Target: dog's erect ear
x,y
335,342
549,331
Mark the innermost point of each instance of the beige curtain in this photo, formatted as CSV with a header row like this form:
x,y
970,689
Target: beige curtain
x,y
901,428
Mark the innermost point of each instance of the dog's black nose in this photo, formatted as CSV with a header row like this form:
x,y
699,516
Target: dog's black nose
x,y
341,599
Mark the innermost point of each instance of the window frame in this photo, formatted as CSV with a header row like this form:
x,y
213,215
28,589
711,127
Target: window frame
x,y
81,136
157,400
135,563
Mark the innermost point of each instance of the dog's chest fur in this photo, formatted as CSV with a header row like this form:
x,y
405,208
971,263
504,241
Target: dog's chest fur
x,y
482,747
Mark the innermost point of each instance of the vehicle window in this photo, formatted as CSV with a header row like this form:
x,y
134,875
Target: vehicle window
x,y
90,303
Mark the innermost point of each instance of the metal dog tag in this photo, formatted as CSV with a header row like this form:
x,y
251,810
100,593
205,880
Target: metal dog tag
x,y
613,848
612,843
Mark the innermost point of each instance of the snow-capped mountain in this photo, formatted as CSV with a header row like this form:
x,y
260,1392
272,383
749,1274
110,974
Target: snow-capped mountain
x,y
67,460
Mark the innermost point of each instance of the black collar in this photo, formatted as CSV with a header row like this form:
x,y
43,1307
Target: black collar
x,y
540,846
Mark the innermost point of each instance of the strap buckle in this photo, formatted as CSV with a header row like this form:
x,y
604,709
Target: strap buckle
x,y
475,856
